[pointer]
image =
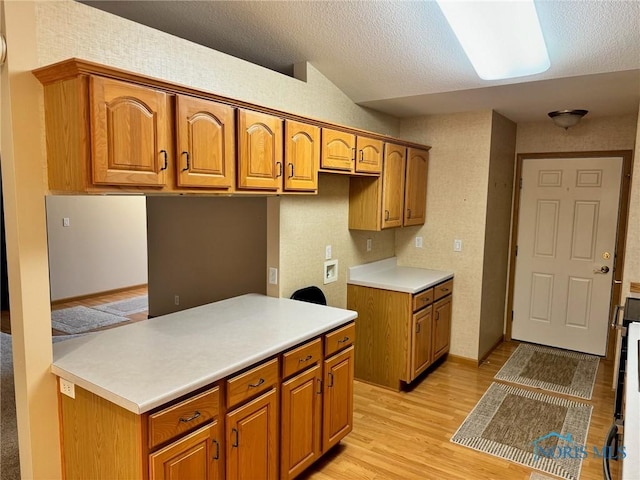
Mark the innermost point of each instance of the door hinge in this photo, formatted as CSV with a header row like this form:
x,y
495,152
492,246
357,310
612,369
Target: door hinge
x,y
516,250
520,183
512,315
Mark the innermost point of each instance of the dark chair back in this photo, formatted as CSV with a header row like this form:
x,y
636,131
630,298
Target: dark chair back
x,y
310,294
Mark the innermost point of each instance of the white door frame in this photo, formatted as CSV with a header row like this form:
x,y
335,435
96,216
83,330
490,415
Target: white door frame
x,y
623,215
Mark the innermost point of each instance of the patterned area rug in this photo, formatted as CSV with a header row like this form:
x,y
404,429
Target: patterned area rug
x,y
126,307
517,425
81,319
551,369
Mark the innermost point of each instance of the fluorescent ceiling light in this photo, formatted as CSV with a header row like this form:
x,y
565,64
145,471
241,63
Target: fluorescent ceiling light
x,y
502,38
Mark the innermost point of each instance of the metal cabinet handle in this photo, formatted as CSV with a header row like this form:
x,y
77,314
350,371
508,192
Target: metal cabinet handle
x,y
319,391
187,167
234,431
408,213
444,289
291,165
437,315
191,418
217,444
344,340
417,328
279,164
353,152
305,359
330,378
386,215
166,159
361,156
254,385
614,320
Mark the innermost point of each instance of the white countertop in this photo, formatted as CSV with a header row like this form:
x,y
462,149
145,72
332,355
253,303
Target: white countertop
x,y
631,441
146,364
387,275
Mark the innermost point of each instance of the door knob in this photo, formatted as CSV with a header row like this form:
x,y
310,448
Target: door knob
x,y
603,269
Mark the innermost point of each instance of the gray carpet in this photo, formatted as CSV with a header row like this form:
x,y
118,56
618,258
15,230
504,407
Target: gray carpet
x,y
511,423
81,319
126,307
552,369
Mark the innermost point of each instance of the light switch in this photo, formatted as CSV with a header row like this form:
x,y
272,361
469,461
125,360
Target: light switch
x,y
369,244
66,222
457,245
418,242
273,276
327,252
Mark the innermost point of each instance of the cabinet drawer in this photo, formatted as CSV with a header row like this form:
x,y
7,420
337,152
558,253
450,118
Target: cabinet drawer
x,y
302,357
422,299
442,290
339,339
183,417
251,383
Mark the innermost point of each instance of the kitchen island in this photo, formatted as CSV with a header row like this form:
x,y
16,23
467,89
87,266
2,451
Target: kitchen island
x,y
197,393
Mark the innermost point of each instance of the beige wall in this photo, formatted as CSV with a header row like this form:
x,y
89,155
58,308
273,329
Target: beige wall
x,y
632,249
456,209
497,232
204,249
308,224
595,134
104,248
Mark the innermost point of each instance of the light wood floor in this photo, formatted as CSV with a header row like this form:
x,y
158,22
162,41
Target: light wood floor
x,y
405,436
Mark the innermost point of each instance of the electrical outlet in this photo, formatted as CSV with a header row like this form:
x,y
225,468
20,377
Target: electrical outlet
x,y
418,242
67,388
66,222
176,299
369,244
457,245
273,276
327,252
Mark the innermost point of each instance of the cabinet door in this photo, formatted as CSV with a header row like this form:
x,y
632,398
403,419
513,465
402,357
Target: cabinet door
x,y
302,156
415,194
337,411
441,327
193,456
252,439
301,422
130,134
259,151
368,155
338,150
393,185
206,143
421,342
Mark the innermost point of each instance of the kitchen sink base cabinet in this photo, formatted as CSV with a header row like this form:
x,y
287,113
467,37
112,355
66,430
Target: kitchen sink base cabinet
x,y
400,335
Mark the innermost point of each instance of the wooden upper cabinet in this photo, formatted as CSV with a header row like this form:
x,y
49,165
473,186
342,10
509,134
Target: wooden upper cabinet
x,y
302,156
368,155
205,143
393,179
260,163
415,194
338,150
130,134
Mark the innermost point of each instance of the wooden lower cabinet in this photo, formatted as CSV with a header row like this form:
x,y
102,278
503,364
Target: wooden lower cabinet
x,y
337,409
301,422
195,456
252,439
400,334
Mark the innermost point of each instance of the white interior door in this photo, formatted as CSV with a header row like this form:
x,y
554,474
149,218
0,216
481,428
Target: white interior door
x,y
566,243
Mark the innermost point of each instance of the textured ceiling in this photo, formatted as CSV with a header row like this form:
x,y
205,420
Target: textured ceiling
x,y
401,57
